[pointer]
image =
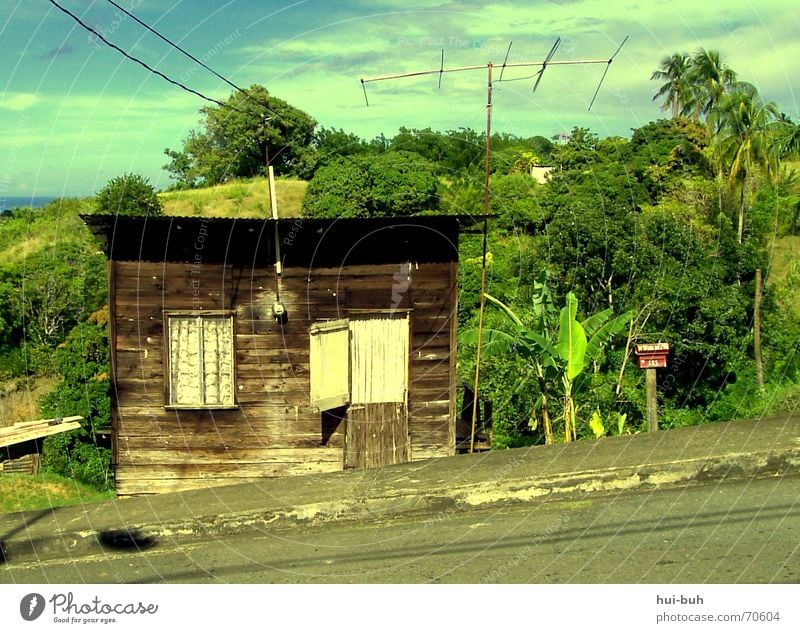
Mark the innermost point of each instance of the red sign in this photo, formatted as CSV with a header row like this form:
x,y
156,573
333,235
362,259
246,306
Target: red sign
x,y
652,355
646,362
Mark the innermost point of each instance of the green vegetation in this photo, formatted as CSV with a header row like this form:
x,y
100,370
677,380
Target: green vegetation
x,y
558,359
246,198
656,237
41,492
52,285
392,183
82,361
129,194
237,140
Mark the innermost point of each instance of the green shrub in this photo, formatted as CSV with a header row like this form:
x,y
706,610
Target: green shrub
x,y
129,194
83,362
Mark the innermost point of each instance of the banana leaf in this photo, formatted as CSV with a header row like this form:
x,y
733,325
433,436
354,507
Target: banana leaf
x,y
571,338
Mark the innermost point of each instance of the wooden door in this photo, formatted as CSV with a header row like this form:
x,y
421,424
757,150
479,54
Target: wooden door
x,y
377,420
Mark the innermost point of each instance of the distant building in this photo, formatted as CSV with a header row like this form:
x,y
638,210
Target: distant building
x,y
540,173
560,138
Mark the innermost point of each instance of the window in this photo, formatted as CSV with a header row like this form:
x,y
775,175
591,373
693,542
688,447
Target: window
x,y
200,358
360,360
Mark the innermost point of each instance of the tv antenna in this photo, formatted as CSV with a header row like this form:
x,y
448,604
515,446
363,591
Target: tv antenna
x,y
489,66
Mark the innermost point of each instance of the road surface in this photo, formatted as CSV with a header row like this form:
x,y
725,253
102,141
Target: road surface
x,y
739,532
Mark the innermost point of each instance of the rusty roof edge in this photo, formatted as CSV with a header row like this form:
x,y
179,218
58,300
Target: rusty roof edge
x,y
100,221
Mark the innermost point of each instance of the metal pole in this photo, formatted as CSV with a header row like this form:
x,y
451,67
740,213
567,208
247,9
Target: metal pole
x,y
439,71
273,206
483,268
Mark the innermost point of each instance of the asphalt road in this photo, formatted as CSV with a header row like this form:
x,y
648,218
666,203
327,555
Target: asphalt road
x,y
740,532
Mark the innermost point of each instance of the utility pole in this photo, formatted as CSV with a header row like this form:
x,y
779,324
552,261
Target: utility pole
x,y
485,245
278,309
542,65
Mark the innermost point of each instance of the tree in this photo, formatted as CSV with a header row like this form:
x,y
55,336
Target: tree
x,y
394,183
676,91
514,202
334,144
236,141
129,194
83,364
744,141
9,320
57,288
787,136
710,78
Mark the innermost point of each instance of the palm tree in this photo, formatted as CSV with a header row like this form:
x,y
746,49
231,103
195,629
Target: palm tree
x,y
710,78
744,141
787,136
676,90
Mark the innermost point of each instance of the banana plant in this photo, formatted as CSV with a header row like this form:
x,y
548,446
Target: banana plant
x,y
558,359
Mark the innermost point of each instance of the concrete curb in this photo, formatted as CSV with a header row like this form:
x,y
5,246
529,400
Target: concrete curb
x,y
433,504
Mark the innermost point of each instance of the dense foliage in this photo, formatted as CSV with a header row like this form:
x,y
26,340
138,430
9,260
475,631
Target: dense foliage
x,y
83,364
237,140
129,194
52,289
392,183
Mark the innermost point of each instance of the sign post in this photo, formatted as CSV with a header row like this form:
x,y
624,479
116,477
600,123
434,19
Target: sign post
x,y
651,356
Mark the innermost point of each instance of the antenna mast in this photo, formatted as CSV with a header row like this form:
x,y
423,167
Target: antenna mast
x,y
542,65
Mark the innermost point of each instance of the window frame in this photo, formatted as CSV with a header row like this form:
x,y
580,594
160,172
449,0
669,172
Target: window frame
x,y
168,405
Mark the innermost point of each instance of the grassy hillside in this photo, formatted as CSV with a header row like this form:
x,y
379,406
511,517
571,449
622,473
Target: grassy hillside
x,y
37,229
238,199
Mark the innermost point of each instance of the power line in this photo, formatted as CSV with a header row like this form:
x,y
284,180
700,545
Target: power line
x,y
192,57
141,63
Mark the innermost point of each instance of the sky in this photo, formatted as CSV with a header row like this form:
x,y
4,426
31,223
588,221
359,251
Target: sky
x,y
75,113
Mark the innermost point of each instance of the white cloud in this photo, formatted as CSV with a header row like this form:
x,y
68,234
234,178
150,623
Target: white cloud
x,y
17,101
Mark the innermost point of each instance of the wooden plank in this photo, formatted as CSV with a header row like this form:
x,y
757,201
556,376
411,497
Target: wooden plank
x,y
10,435
361,270
376,435
133,333
430,452
237,457
27,464
272,420
38,423
262,443
212,471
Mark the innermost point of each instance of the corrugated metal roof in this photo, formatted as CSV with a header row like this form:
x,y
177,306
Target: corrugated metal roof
x,y
303,240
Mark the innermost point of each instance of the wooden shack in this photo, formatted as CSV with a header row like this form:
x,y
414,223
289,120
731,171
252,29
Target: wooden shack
x,y
225,371
21,443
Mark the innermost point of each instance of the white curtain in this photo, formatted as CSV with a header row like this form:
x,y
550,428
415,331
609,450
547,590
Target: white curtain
x,y
201,360
184,360
218,360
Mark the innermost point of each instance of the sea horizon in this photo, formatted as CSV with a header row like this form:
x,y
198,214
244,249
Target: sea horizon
x,y
13,202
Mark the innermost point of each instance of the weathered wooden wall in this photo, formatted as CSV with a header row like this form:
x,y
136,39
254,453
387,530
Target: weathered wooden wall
x,y
275,431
